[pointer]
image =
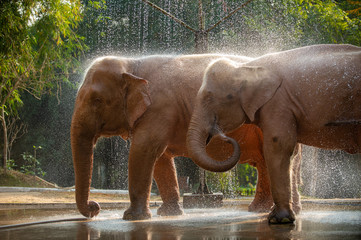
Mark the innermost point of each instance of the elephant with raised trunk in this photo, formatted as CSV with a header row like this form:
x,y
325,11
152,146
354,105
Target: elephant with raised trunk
x,y
150,101
308,95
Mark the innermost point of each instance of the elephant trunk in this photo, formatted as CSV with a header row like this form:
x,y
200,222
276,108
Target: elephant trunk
x,y
198,135
82,148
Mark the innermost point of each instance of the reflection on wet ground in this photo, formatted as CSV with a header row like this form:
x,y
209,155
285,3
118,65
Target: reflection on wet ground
x,y
223,223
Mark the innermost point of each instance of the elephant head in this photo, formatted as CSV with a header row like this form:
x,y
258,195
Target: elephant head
x,y
108,103
230,95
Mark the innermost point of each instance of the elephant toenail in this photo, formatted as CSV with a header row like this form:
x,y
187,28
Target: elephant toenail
x,y
273,220
286,220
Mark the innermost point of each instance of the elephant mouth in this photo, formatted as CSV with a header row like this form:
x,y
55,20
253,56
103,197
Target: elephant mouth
x,y
197,140
215,130
209,138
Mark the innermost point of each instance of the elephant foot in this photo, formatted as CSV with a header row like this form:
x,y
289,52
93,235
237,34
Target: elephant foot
x,y
133,214
170,209
92,209
281,216
260,206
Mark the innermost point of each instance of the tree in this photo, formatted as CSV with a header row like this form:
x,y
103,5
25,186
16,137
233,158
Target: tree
x,y
38,48
15,129
352,7
327,22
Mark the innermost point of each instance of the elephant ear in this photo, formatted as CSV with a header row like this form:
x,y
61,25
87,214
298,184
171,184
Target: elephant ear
x,y
137,97
258,85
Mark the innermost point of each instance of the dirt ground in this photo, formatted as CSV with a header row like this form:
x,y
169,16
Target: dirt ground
x,y
17,179
59,197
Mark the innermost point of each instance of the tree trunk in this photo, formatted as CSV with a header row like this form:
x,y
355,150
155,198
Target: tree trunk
x,y
5,149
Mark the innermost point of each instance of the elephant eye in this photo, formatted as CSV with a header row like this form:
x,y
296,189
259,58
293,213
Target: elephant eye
x,y
229,96
215,120
97,101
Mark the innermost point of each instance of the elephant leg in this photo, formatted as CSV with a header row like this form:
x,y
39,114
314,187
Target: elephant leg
x,y
166,177
296,178
263,200
142,157
279,143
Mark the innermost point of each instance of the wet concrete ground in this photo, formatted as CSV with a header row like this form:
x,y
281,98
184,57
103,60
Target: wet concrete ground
x,y
221,223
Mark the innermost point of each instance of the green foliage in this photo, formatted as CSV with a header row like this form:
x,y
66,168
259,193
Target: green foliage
x,y
244,191
240,181
39,47
221,182
31,166
11,165
325,22
267,26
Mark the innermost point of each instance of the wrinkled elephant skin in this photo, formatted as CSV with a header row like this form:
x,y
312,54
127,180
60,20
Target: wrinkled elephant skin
x,y
309,95
150,101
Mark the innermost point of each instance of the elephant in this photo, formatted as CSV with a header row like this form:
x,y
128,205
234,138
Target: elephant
x,y
309,95
149,100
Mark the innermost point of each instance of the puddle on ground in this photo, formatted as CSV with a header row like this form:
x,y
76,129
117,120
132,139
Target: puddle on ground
x,y
223,223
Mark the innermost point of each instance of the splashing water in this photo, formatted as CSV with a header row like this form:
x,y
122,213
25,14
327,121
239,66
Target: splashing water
x,y
330,174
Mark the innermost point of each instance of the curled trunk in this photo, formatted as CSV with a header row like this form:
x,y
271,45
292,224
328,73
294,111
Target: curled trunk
x,y
82,149
198,134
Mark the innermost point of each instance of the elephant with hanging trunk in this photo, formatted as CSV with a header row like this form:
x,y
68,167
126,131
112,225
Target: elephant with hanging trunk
x,y
309,95
150,101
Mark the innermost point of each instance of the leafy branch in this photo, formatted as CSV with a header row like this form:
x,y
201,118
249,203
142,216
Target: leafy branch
x,y
39,42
